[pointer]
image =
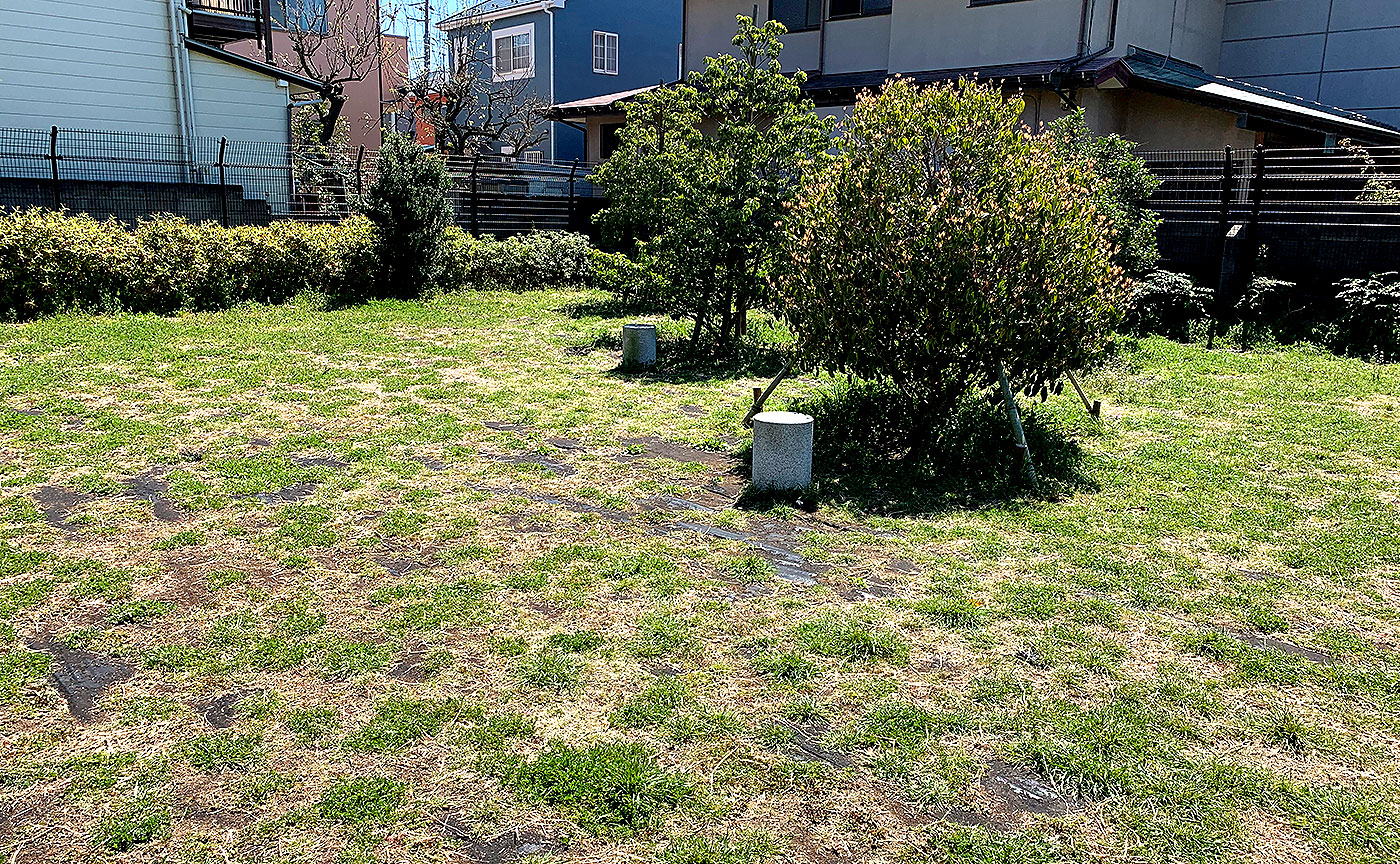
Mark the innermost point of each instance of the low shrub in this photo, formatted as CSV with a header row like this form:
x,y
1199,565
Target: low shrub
x,y
544,259
1368,323
1166,304
52,262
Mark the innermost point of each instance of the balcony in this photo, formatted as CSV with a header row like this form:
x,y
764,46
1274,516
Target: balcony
x,y
219,22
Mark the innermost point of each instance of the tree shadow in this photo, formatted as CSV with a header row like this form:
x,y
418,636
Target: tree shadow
x,y
677,364
865,455
610,307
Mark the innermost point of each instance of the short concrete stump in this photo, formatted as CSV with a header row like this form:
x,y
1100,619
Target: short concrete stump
x,y
782,451
638,346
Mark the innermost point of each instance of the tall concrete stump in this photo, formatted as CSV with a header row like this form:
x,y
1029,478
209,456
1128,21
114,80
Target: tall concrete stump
x,y
638,346
782,451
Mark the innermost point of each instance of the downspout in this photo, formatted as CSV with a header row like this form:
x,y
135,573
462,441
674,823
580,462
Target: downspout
x,y
821,38
1085,29
553,138
180,69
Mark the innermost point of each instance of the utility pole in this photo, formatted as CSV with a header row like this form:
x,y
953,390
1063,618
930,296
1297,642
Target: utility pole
x,y
427,38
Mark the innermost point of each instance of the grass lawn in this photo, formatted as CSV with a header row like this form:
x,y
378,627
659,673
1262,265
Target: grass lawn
x,y
433,582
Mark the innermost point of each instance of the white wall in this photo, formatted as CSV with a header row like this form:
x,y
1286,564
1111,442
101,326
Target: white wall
x,y
236,103
923,35
87,64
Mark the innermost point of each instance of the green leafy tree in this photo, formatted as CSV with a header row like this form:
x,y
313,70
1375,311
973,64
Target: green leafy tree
x,y
1123,187
705,206
409,208
944,244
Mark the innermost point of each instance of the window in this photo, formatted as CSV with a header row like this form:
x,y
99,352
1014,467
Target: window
x,y
513,52
796,14
604,53
858,8
306,15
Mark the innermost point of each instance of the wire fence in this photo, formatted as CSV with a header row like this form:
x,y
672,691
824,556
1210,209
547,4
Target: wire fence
x,y
1317,215
131,176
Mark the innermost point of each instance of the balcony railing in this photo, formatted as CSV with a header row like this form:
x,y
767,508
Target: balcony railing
x,y
224,21
239,8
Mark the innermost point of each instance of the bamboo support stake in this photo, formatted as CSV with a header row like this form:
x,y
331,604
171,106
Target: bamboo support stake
x,y
1014,414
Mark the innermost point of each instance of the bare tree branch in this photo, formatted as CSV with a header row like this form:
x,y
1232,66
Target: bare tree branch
x,y
333,44
470,108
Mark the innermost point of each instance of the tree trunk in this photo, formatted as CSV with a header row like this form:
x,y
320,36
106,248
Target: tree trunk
x,y
335,106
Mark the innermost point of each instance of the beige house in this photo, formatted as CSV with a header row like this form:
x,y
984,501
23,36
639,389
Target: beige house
x,y
1146,69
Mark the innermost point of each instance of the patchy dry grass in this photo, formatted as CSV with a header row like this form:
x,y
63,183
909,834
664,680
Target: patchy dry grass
x,y
433,582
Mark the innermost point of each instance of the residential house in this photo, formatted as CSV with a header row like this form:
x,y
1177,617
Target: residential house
x,y
367,99
1146,69
1339,52
574,49
152,80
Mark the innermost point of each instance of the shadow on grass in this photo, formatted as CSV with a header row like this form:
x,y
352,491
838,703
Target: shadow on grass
x,y
864,456
610,307
676,365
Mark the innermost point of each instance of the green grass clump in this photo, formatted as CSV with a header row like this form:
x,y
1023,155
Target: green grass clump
x,y
549,669
223,752
654,705
609,788
18,667
312,725
660,634
843,635
787,666
21,595
581,642
398,723
750,847
133,823
748,569
138,611
953,611
362,801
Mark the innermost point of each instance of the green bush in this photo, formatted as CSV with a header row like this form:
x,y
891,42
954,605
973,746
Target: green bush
x,y
943,244
409,208
54,262
1369,321
633,281
1123,187
546,259
1264,308
1166,304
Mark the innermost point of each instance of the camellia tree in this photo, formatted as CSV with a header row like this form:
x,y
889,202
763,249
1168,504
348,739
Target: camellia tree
x,y
704,173
944,249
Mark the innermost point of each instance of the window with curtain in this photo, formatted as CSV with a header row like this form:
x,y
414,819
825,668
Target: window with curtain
x,y
513,52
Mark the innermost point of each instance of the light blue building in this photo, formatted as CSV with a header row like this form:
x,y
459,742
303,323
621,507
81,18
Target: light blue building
x,y
574,49
1338,52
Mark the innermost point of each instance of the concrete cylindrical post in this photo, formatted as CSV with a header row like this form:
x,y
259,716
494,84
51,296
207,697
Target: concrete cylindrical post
x,y
782,451
638,346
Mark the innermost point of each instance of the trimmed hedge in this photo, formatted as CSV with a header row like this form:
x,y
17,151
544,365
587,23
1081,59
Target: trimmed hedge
x,y
53,262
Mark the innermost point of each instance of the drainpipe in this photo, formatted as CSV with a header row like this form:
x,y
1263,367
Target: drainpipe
x,y
821,39
553,143
180,67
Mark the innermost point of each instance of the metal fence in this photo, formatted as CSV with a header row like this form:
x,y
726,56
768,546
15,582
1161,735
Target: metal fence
x,y
130,176
1317,215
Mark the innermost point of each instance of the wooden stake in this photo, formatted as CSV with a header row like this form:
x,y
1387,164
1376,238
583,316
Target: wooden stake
x,y
760,399
1093,409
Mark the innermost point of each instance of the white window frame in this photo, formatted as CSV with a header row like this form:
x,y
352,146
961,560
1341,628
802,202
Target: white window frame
x,y
608,38
510,33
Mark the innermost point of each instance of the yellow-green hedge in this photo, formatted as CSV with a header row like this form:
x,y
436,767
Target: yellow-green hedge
x,y
59,262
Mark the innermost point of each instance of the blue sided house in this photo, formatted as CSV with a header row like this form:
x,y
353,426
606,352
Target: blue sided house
x,y
570,50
